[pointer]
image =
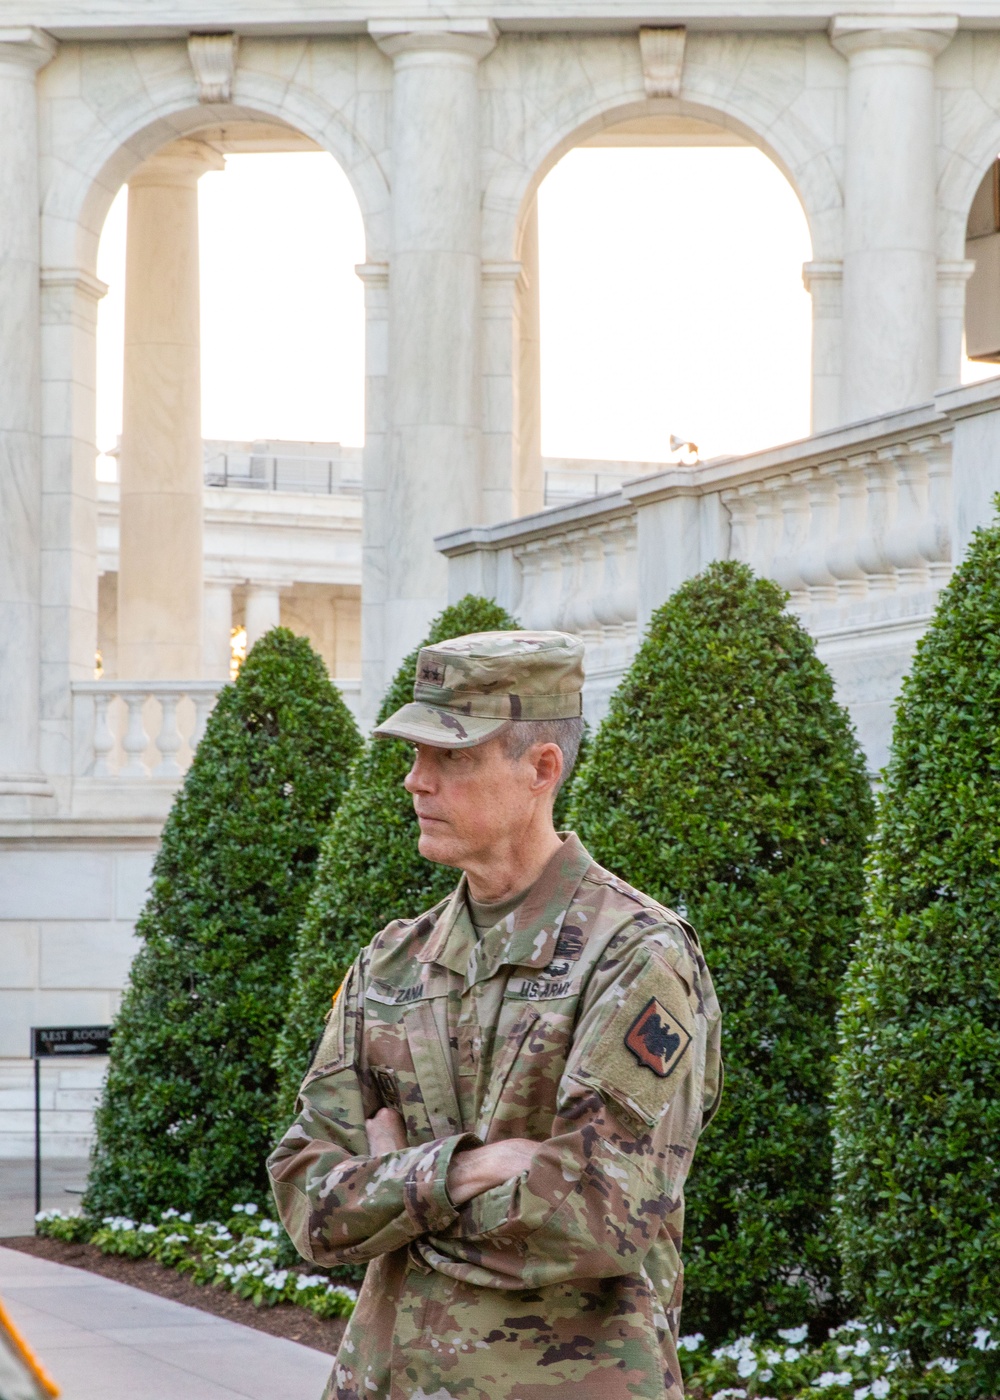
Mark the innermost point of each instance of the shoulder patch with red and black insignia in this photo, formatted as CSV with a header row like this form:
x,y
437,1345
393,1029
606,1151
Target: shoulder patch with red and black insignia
x,y
657,1039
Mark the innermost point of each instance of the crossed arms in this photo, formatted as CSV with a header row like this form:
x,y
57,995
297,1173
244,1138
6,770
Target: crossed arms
x,y
588,1202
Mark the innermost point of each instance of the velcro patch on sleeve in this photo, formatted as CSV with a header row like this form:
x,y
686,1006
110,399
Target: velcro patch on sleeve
x,y
657,1039
643,1049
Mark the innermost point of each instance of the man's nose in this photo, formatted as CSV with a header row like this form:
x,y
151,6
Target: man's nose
x,y
419,778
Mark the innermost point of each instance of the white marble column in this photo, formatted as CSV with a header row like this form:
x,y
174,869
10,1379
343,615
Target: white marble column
x,y
218,629
823,281
529,488
23,790
432,462
160,591
263,609
375,277
890,340
952,281
499,450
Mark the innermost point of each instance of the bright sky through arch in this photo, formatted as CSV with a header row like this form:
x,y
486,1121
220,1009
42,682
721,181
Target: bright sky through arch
x,y
672,302
282,309
671,290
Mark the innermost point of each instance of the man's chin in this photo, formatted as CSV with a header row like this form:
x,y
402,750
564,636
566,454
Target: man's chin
x,y
437,848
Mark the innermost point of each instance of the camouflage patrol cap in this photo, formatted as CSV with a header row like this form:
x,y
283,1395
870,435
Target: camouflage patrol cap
x,y
470,688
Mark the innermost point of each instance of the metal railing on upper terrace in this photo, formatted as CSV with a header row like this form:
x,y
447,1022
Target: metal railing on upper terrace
x,y
252,471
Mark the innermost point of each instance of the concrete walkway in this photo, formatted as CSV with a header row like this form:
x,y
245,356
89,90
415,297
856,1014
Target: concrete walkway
x,y
101,1340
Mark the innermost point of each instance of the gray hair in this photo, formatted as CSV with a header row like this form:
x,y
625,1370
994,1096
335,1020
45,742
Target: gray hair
x,y
521,735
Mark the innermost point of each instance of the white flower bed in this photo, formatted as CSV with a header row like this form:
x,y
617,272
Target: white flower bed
x,y
856,1362
242,1254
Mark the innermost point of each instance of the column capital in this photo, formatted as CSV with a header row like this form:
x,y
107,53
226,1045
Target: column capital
x,y
269,585
26,47
373,274
927,34
76,279
182,163
815,274
506,276
955,273
473,38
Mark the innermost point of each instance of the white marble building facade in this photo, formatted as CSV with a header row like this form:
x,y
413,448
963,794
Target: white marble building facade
x,y
885,118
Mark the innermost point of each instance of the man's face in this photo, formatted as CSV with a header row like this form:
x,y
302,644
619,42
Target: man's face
x,y
471,802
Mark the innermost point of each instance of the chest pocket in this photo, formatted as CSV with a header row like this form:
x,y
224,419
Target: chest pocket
x,y
534,1038
408,1063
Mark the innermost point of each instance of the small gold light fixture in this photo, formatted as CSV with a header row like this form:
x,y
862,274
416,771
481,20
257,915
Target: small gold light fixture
x,y
237,651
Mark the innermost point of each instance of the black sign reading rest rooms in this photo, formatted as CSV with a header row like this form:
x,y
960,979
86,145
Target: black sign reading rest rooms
x,y
69,1040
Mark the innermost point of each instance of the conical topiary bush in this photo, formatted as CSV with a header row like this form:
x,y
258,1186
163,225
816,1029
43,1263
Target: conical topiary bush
x,y
370,870
727,782
918,1078
187,1109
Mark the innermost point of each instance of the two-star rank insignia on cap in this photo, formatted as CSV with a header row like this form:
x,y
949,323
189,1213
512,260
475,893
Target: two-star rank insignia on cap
x,y
657,1039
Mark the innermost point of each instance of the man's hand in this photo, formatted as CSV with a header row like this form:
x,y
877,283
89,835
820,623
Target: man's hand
x,y
386,1132
470,1173
473,1172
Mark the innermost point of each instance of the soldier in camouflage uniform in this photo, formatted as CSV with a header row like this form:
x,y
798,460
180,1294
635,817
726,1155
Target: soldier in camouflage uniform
x,y
504,1105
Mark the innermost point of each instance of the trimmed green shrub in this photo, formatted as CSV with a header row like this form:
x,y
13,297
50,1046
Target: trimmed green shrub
x,y
370,870
918,1078
186,1114
726,781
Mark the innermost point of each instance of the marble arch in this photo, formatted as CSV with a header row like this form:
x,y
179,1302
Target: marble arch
x,y
115,140
969,132
961,177
670,107
96,130
445,119
799,148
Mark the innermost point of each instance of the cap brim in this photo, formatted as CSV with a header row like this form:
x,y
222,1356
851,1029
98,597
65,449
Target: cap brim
x,y
442,729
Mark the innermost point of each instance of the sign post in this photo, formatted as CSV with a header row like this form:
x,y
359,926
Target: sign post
x,y
47,1042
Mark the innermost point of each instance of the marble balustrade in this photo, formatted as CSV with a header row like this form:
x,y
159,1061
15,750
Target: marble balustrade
x,y
867,525
861,525
134,741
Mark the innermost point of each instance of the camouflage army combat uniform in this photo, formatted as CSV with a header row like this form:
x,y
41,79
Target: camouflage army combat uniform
x,y
586,1020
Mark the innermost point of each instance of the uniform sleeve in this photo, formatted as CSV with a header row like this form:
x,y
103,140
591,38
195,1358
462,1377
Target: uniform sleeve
x,y
609,1181
339,1204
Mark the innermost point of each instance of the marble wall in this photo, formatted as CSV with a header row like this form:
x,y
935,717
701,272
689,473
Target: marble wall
x,y
883,121
369,99
67,911
862,525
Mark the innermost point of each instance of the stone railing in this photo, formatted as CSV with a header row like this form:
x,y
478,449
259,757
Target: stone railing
x,y
571,568
859,524
133,742
863,525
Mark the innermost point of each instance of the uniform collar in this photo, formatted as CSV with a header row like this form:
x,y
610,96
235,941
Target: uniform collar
x,y
526,938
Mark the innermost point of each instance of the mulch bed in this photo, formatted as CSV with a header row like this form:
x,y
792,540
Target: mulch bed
x,y
283,1320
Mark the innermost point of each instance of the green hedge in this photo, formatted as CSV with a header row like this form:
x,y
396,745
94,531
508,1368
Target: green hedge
x,y
727,782
370,870
186,1114
918,1084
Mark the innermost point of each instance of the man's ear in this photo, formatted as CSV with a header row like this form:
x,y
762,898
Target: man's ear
x,y
548,762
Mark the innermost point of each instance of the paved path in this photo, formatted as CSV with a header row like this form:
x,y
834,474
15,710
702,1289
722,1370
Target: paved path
x,y
101,1340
